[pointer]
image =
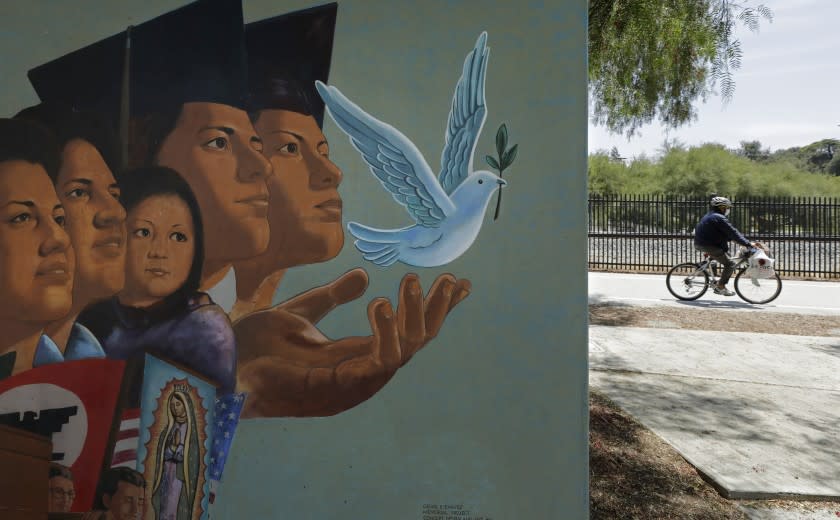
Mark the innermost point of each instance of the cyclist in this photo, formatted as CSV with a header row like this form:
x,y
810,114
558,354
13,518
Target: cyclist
x,y
712,236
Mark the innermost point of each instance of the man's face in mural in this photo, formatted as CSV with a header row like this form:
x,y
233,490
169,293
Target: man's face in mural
x,y
36,261
95,220
305,210
217,151
127,503
62,494
161,240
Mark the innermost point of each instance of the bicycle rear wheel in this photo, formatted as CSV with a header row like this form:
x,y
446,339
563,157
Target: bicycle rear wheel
x,y
757,290
687,281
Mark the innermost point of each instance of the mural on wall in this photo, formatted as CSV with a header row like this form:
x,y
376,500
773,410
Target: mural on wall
x,y
176,440
139,183
75,404
448,211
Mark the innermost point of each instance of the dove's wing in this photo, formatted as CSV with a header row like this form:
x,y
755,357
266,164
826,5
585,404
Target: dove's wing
x,y
465,119
392,158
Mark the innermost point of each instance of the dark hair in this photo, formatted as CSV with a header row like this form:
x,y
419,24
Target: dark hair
x,y
280,94
67,123
147,134
57,470
111,479
142,183
22,140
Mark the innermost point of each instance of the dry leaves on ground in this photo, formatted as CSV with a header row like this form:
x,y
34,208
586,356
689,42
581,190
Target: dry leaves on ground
x,y
633,474
714,319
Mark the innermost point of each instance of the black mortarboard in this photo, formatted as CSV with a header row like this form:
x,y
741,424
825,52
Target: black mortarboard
x,y
87,79
286,54
194,53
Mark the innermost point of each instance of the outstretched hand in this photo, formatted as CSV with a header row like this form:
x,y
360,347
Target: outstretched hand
x,y
291,369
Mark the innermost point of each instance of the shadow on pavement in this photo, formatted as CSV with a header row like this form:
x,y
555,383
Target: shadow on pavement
x,y
714,304
698,409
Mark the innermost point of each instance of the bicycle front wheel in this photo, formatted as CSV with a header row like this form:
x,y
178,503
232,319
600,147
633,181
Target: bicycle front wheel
x,y
757,290
687,281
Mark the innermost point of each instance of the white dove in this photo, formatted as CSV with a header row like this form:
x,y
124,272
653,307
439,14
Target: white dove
x,y
449,212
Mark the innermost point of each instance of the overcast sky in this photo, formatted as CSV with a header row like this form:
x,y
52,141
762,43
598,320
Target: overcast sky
x,y
787,91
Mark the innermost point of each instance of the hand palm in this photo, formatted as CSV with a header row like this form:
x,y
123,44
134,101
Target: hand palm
x,y
290,368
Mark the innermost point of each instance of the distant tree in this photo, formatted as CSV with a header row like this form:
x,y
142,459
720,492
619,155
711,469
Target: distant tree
x,y
752,151
615,156
834,166
656,58
822,152
669,145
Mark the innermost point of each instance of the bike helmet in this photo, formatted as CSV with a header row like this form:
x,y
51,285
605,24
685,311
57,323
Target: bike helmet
x,y
721,202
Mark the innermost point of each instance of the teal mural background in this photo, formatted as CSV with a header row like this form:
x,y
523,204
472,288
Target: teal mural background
x,y
492,415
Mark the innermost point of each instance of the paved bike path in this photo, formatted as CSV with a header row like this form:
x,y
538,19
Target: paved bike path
x,y
797,297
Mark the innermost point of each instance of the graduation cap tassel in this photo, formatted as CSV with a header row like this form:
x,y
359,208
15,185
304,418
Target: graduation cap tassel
x,y
125,99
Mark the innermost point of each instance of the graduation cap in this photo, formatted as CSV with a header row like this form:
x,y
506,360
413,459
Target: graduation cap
x,y
194,53
286,54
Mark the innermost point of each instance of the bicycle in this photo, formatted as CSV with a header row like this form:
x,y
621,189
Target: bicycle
x,y
689,281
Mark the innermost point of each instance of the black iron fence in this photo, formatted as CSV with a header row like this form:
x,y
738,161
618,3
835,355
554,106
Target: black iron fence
x,y
653,233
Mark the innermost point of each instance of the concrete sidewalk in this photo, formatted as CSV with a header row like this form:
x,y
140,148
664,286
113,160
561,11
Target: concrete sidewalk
x,y
757,413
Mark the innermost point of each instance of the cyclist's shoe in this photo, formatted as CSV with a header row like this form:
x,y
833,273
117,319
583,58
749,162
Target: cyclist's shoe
x,y
723,291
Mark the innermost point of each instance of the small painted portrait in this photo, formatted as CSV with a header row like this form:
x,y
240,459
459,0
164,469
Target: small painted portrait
x,y
177,461
122,495
62,490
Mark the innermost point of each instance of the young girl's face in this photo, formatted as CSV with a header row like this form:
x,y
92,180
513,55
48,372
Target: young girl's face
x,y
161,245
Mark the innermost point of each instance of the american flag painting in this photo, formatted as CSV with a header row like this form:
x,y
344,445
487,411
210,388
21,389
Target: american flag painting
x,y
128,435
228,409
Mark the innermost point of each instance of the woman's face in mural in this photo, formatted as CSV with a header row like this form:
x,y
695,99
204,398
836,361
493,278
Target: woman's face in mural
x,y
36,261
95,220
217,151
161,241
177,407
306,209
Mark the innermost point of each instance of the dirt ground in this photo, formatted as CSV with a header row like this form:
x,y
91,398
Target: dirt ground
x,y
634,474
712,319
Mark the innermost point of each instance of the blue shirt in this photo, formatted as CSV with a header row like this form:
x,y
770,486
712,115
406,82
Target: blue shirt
x,y
82,344
46,353
715,230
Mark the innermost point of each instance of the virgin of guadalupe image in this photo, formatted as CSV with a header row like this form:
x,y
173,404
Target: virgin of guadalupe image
x,y
176,461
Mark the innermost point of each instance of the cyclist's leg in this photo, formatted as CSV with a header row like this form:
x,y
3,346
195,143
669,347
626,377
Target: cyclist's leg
x,y
723,259
728,268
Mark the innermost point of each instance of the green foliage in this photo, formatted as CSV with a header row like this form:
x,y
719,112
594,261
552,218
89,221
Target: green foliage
x,y
834,166
656,58
506,158
712,168
816,157
752,150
